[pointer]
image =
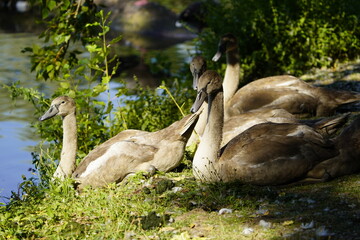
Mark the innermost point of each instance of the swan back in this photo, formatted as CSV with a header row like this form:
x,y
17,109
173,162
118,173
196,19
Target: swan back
x,y
132,151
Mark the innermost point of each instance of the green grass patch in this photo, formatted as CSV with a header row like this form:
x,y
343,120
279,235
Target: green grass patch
x,y
175,206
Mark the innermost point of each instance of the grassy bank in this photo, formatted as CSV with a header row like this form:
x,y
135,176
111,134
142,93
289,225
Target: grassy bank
x,y
175,206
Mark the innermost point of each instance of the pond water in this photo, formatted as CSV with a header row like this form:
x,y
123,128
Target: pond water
x,y
17,139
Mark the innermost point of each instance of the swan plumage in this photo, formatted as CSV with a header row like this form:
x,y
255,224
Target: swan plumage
x,y
284,91
267,153
127,152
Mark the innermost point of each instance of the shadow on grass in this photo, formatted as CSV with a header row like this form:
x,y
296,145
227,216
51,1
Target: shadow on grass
x,y
318,211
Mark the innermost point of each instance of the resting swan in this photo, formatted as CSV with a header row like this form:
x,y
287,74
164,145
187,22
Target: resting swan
x,y
235,125
285,91
268,153
127,152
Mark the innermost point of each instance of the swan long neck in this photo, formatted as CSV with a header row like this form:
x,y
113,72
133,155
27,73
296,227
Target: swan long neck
x,y
206,156
232,74
68,153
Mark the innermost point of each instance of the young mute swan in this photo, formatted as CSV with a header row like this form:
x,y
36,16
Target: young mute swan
x,y
235,125
285,91
197,68
127,152
268,153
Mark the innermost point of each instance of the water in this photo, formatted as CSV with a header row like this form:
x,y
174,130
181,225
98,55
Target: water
x,y
17,139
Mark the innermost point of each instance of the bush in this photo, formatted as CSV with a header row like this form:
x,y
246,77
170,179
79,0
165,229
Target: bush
x,y
277,36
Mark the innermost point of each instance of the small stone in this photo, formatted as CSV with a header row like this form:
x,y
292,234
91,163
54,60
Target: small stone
x,y
322,232
265,224
307,225
176,189
225,211
247,231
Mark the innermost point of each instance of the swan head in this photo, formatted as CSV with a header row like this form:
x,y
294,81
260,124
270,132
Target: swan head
x,y
197,68
227,42
60,106
209,83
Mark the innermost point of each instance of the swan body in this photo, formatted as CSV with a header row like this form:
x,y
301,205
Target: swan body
x,y
285,91
238,123
127,152
265,154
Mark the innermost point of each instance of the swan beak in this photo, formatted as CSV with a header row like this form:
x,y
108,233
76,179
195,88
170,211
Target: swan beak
x,y
53,111
220,51
178,24
200,98
196,76
217,56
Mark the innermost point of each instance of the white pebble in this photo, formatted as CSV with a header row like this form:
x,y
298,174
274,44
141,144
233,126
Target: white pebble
x,y
264,224
322,232
176,189
247,231
307,225
225,210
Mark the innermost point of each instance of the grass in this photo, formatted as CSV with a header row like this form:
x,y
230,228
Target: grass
x,y
175,206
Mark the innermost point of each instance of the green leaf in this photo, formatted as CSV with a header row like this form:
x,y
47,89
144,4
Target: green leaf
x,y
99,89
109,107
45,13
92,48
65,85
115,40
49,68
51,4
105,79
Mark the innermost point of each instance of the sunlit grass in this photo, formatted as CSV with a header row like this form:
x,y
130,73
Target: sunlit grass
x,y
175,206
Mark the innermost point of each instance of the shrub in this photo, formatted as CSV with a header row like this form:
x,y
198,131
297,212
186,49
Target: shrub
x,y
277,37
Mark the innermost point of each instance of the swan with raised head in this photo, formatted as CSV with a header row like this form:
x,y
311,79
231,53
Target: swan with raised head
x,y
128,152
265,154
285,91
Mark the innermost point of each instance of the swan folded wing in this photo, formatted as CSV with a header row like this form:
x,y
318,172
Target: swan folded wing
x,y
281,129
280,81
271,160
289,99
102,148
348,161
170,148
116,162
235,125
189,124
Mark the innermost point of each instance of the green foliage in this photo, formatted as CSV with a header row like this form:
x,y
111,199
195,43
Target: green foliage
x,y
154,109
66,22
277,37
